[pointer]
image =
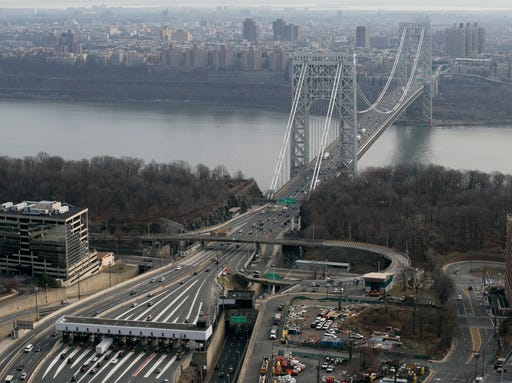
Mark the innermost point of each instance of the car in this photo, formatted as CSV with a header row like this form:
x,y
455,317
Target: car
x,y
73,378
149,318
93,370
29,347
324,366
54,334
151,294
355,335
64,302
178,267
152,280
23,375
150,303
71,360
330,368
94,358
194,273
165,381
206,270
63,355
182,282
114,360
221,374
459,297
470,287
37,349
20,367
162,279
230,369
134,304
158,370
133,292
96,313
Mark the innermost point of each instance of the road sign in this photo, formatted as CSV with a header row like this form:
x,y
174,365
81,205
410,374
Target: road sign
x,y
287,201
21,324
238,319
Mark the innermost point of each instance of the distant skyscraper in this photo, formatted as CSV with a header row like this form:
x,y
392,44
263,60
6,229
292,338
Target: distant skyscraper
x,y
285,32
508,260
362,36
465,41
250,30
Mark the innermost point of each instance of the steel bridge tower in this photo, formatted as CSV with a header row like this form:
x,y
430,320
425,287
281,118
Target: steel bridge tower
x,y
324,78
416,34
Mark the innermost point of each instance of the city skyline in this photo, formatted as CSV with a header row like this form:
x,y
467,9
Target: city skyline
x,y
322,4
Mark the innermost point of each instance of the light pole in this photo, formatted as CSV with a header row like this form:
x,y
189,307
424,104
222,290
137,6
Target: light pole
x,y
476,356
37,308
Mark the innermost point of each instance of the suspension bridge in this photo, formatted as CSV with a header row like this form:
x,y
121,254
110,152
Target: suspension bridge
x,y
327,130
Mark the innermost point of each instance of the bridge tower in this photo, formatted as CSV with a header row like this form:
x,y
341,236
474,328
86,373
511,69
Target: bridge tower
x,y
417,35
328,79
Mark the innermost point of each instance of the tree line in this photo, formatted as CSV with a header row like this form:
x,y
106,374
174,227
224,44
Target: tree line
x,y
122,193
416,208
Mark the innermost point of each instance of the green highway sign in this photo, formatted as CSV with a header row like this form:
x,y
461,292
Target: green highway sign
x,y
238,319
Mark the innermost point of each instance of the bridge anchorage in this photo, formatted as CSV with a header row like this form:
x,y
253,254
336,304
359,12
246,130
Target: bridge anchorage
x,y
326,131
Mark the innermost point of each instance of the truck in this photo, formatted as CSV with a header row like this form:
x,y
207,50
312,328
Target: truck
x,y
273,333
9,378
104,346
277,318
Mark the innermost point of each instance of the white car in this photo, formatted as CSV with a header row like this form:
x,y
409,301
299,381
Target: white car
x,y
114,360
178,267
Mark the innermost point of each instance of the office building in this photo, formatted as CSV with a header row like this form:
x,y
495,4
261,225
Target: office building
x,y
46,237
465,40
362,37
508,260
250,31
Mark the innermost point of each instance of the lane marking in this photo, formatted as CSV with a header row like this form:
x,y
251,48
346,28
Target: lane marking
x,y
118,365
137,371
54,361
154,366
130,366
166,367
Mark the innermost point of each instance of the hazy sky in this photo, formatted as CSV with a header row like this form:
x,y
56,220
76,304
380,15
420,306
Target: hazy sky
x,y
341,4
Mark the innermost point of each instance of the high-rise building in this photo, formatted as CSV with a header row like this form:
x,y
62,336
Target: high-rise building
x,y
465,40
46,237
284,32
508,260
250,30
362,36
250,59
222,57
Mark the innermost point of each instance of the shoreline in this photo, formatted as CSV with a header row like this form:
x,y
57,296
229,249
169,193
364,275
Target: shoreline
x,y
275,108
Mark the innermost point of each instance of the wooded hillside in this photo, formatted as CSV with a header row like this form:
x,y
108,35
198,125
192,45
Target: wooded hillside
x,y
123,191
424,208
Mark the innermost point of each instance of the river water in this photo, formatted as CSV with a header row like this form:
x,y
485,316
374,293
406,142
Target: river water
x,y
246,139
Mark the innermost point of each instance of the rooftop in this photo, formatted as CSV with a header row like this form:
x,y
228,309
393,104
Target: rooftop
x,y
55,209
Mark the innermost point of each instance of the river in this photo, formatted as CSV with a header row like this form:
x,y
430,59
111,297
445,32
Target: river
x,y
246,139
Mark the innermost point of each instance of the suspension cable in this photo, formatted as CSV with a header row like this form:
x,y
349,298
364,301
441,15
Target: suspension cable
x,y
391,75
286,138
327,126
